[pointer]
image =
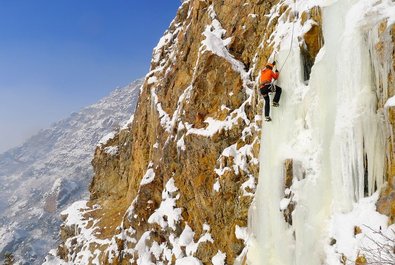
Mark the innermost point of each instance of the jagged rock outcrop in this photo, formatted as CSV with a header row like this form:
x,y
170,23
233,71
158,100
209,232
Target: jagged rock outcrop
x,y
176,185
312,40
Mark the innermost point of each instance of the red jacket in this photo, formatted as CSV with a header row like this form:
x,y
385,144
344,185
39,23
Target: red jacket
x,y
267,75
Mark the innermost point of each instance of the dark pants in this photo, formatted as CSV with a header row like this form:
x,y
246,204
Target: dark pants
x,y
265,90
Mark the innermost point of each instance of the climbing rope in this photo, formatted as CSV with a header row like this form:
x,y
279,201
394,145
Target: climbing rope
x,y
272,84
289,52
292,38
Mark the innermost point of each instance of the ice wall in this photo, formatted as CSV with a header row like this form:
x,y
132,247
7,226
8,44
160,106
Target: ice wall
x,y
330,128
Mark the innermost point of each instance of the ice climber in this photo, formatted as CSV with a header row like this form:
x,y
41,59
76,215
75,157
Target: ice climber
x,y
266,86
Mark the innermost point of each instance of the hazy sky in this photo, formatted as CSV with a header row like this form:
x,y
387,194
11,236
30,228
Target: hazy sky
x,y
59,56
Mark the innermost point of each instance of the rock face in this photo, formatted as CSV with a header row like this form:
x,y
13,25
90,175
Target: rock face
x,y
313,39
176,185
385,83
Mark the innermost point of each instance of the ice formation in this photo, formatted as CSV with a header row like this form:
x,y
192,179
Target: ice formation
x,y
331,128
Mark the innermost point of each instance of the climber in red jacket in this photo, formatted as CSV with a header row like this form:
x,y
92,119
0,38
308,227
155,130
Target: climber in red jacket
x,y
266,86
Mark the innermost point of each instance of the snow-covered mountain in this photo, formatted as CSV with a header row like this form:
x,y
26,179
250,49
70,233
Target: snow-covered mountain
x,y
51,170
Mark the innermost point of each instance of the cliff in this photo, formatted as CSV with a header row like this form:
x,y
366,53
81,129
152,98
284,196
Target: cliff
x,y
175,187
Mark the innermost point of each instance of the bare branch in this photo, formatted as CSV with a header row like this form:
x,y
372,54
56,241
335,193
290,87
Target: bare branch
x,y
383,250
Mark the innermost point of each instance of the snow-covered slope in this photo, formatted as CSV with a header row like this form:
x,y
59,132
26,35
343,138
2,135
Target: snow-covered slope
x,y
50,171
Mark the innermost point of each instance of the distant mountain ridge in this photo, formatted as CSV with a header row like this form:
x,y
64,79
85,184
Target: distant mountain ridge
x,y
51,170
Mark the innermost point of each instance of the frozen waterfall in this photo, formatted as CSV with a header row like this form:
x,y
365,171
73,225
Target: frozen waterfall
x,y
330,129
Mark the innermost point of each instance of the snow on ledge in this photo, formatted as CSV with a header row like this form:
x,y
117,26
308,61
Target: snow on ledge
x,y
104,140
167,208
148,177
73,213
152,80
185,244
213,127
127,123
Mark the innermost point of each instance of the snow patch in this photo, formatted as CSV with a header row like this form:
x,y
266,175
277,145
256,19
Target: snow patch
x,y
242,233
126,124
152,80
365,217
85,231
148,177
181,144
111,150
219,258
106,138
390,102
217,186
188,261
167,215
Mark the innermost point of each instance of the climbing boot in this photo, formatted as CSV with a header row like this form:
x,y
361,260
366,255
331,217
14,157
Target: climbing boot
x,y
267,118
275,104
